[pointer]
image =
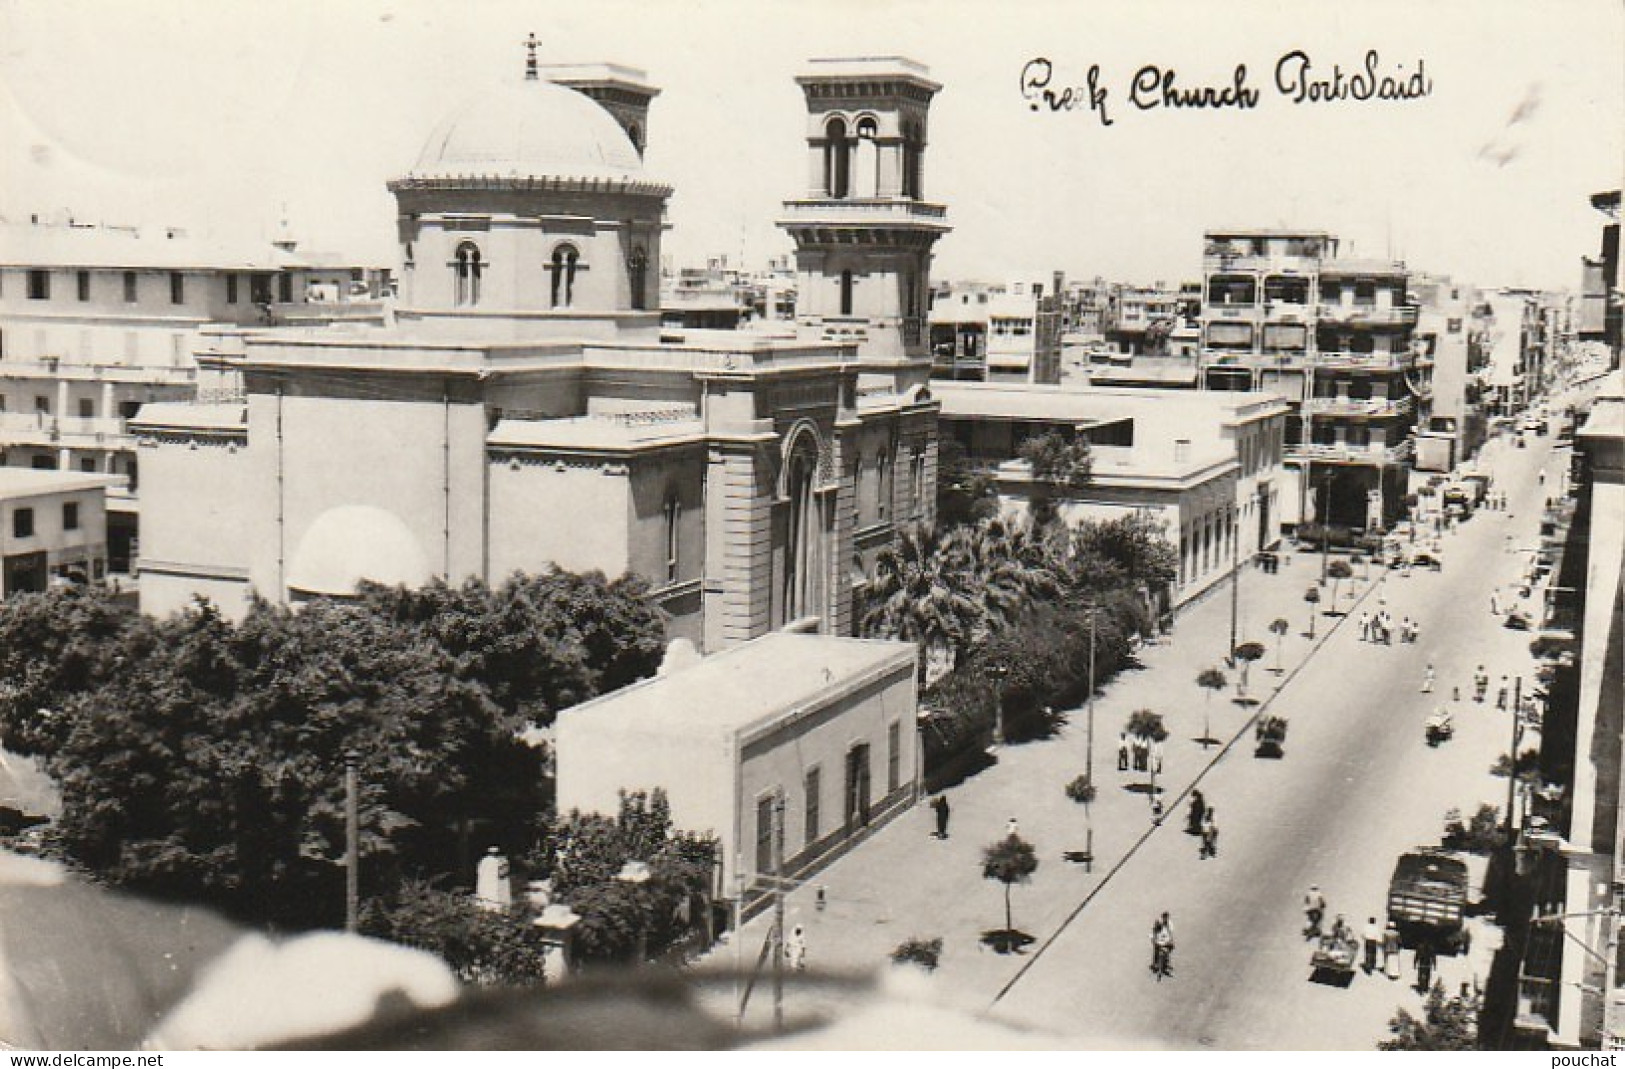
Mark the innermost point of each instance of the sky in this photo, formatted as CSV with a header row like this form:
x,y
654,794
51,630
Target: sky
x,y
226,117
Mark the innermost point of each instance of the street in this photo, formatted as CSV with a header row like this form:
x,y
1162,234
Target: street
x,y
1357,787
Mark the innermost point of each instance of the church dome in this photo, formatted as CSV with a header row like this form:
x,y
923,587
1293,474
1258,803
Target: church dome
x,y
352,543
532,129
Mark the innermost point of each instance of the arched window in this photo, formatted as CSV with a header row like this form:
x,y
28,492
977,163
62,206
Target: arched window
x,y
866,160
911,160
637,270
563,270
468,268
837,161
804,556
672,513
846,292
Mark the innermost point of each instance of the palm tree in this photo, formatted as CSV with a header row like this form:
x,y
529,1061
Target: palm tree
x,y
920,593
1211,680
1312,596
1005,565
1279,628
1011,860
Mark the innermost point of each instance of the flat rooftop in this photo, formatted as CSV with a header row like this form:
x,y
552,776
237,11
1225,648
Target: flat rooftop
x,y
751,685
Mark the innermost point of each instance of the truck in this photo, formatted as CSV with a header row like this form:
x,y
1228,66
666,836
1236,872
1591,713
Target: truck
x,y
1427,899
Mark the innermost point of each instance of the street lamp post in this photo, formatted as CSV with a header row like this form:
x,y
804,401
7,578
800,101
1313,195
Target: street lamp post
x,y
1517,737
998,670
352,844
1089,720
1325,524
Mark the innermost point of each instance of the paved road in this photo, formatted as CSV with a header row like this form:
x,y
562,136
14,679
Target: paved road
x,y
1357,788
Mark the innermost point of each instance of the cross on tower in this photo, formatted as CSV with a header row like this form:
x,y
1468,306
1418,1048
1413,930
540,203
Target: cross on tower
x,y
531,45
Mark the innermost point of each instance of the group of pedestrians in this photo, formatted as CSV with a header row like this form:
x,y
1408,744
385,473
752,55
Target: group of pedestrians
x,y
1199,822
1381,943
1144,754
1379,628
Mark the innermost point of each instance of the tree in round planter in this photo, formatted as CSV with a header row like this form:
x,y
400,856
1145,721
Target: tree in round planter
x,y
1211,680
1312,597
1338,571
1082,791
1010,860
1147,727
1245,655
1279,628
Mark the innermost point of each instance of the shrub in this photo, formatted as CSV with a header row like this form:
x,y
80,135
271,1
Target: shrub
x,y
926,953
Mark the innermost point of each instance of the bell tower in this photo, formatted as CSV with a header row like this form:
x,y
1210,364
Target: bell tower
x,y
864,231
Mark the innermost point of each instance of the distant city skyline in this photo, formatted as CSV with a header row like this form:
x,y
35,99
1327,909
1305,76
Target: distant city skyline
x,y
227,117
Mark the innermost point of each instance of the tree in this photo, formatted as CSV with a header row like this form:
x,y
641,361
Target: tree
x,y
1338,571
1211,680
1011,860
1312,598
205,759
1446,1024
1279,628
55,646
921,594
1059,463
1147,725
966,493
584,853
1245,654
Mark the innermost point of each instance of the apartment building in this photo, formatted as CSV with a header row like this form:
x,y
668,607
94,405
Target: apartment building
x,y
1333,336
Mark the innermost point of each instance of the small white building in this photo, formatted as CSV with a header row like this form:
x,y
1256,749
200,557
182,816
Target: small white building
x,y
827,724
52,525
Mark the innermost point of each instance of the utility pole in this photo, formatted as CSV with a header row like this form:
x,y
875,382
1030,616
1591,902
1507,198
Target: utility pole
x,y
1089,723
778,912
1325,522
352,845
1235,583
1517,737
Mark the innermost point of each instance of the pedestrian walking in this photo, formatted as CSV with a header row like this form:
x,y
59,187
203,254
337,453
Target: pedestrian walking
x,y
1012,830
1390,951
1501,694
1481,684
1142,753
1372,937
1426,958
1495,602
1385,627
939,805
1427,679
1162,947
1365,627
1210,836
795,949
1122,751
1156,757
1194,815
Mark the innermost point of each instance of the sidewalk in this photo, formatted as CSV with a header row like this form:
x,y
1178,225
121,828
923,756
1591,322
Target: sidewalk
x,y
902,882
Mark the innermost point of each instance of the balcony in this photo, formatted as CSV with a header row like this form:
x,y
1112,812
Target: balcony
x,y
882,212
1355,408
57,370
43,429
1344,453
1332,358
1368,315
